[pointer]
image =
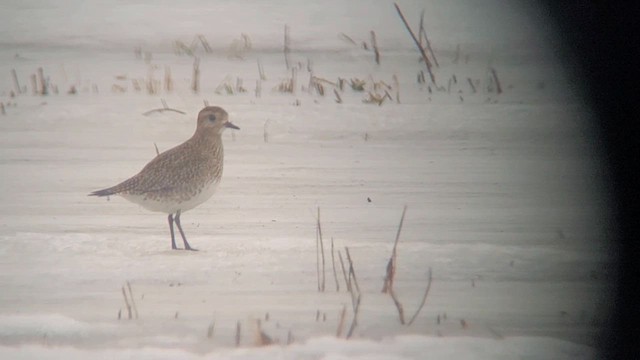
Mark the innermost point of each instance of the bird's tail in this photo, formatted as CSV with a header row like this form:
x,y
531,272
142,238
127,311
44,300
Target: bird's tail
x,y
104,192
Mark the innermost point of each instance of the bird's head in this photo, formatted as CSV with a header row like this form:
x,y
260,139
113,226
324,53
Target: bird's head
x,y
214,118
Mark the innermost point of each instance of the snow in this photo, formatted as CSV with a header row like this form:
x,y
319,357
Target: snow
x,y
329,348
506,194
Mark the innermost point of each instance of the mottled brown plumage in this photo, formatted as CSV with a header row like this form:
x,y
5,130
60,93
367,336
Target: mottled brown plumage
x,y
183,177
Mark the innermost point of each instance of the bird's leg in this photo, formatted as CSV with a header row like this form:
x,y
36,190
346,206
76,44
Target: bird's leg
x,y
184,239
173,238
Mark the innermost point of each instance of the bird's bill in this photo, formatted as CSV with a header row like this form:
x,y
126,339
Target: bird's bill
x,y
230,125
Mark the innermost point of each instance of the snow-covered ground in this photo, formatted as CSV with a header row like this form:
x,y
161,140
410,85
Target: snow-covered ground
x,y
504,191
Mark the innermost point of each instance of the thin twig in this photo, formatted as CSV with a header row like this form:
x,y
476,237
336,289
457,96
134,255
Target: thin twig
x,y
424,55
168,80
473,87
352,272
391,271
422,33
333,265
391,265
147,113
318,257
319,229
354,321
346,37
238,333
396,84
133,302
286,45
424,299
43,82
205,43
374,44
126,301
338,97
495,78
195,82
343,315
16,84
261,71
265,137
398,305
344,272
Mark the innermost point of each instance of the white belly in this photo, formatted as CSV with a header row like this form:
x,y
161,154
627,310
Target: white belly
x,y
171,206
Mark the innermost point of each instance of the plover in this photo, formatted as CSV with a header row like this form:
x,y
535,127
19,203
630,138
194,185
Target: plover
x,y
183,177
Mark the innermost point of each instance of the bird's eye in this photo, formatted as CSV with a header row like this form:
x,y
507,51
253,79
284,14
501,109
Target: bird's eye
x,y
212,117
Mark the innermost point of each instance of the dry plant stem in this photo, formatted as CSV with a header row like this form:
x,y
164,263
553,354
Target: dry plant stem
x,y
42,81
323,80
34,84
261,71
422,33
352,273
312,82
126,302
265,134
338,97
388,280
495,78
318,258
294,79
322,280
424,55
398,305
157,151
391,270
238,333
168,81
333,265
2,111
354,321
344,272
391,265
16,84
195,85
347,38
473,87
420,27
205,43
374,44
150,83
343,315
286,49
133,302
421,77
239,87
147,113
396,84
423,301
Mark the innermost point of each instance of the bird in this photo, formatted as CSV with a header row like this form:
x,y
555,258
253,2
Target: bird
x,y
182,177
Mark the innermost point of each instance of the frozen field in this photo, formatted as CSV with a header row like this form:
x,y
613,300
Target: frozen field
x,y
503,191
